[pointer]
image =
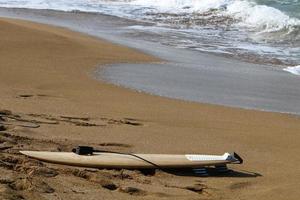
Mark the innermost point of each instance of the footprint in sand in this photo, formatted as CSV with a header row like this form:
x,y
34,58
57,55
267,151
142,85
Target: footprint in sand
x,y
24,96
239,185
133,191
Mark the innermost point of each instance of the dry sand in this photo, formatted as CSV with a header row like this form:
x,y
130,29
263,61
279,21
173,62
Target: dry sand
x,y
46,78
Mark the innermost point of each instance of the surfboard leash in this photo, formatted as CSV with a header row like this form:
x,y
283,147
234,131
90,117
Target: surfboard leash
x,y
86,150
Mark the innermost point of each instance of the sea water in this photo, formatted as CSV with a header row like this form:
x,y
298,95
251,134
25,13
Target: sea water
x,y
265,31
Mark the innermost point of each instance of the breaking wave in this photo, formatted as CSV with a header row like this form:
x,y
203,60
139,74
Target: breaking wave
x,y
269,28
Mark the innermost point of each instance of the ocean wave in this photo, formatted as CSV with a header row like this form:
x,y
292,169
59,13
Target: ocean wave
x,y
245,13
294,70
260,19
246,28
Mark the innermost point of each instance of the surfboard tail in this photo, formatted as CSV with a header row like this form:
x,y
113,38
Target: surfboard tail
x,y
234,158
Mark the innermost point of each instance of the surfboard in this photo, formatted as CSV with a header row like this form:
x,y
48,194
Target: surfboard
x,y
127,161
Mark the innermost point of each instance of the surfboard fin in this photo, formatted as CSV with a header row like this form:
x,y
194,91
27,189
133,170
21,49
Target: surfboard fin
x,y
222,168
201,171
238,159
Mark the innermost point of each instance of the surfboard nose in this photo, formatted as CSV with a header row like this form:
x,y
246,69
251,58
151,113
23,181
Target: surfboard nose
x,y
25,153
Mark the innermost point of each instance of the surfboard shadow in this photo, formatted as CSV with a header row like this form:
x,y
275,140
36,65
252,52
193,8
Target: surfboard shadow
x,y
211,172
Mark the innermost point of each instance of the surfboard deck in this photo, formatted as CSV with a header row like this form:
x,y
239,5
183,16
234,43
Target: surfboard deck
x,y
121,161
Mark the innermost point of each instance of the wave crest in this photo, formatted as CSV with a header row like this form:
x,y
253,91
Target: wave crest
x,y
258,18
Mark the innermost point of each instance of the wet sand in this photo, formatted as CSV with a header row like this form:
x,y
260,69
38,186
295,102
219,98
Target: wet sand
x,y
46,80
192,75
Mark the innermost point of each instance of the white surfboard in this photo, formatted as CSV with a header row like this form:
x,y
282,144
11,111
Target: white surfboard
x,y
124,161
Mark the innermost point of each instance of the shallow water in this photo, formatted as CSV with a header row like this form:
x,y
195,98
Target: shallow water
x,y
264,31
185,74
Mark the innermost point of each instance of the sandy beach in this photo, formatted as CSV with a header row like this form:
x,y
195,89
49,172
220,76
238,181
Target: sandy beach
x,y
46,79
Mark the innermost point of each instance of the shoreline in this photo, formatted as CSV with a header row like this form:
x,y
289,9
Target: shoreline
x,y
214,78
99,72
44,78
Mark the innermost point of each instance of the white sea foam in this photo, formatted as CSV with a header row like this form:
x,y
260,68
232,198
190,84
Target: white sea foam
x,y
251,15
186,6
294,70
232,26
